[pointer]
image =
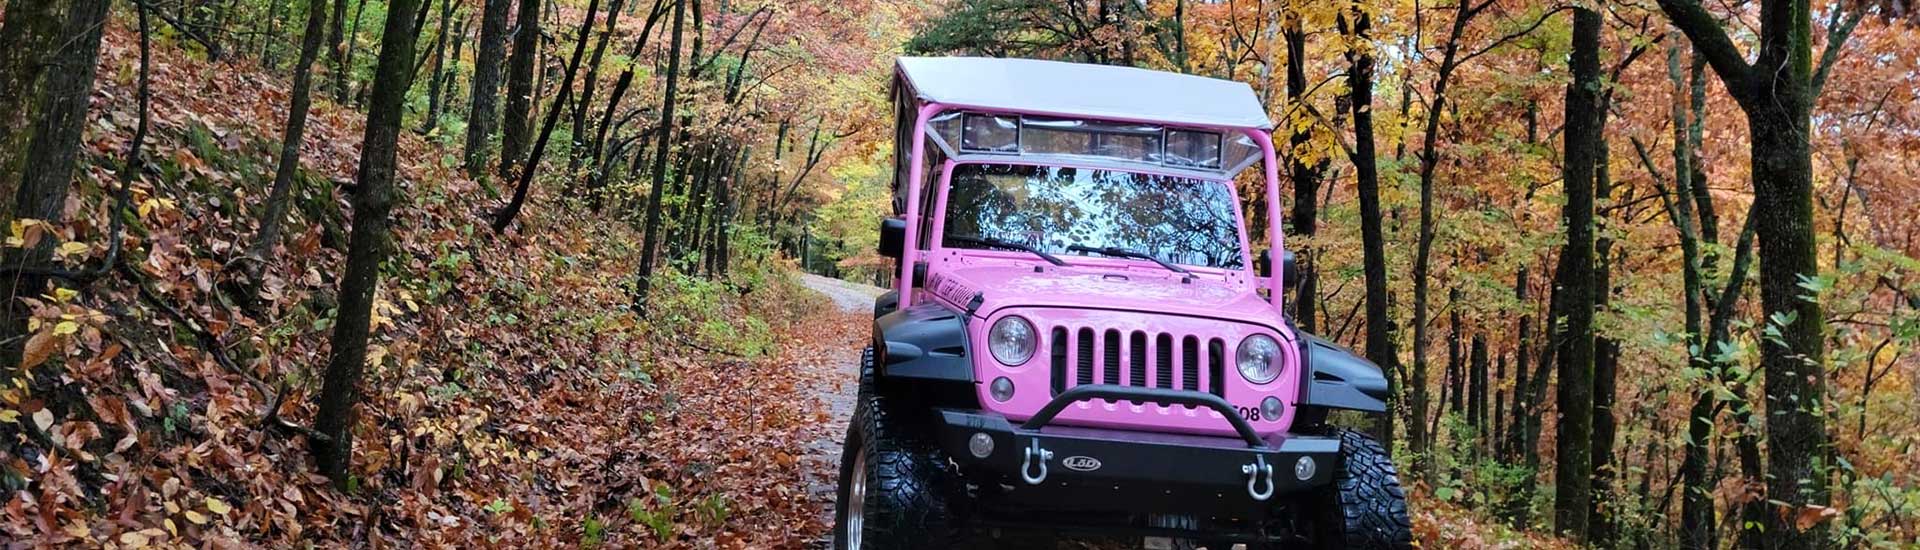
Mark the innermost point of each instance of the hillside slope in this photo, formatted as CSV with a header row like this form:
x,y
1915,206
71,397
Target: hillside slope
x,y
520,401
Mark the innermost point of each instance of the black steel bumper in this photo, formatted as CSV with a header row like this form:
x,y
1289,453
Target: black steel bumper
x,y
1132,470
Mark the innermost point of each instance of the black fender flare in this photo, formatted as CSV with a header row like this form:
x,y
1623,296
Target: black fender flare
x,y
926,341
1336,378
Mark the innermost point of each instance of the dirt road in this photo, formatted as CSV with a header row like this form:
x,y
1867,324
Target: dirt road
x,y
836,388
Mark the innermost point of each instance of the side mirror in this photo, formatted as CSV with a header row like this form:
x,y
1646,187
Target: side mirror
x,y
893,237
1289,270
1263,264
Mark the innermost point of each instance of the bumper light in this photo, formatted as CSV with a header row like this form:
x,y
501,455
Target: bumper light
x,y
1001,389
1304,469
1271,408
981,445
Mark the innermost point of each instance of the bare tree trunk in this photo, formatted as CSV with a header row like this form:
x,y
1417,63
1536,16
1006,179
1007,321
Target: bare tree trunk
x,y
576,154
1306,179
372,200
1573,468
52,144
290,141
520,86
506,215
481,115
1373,243
652,229
434,81
336,51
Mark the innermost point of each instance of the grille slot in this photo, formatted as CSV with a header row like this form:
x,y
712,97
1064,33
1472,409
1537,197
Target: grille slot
x,y
1059,360
1163,355
1083,369
1110,358
1190,363
1216,367
1137,370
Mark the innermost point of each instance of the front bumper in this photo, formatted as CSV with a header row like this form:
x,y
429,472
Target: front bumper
x,y
1120,470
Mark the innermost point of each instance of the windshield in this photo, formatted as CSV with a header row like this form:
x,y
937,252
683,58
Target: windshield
x,y
1179,220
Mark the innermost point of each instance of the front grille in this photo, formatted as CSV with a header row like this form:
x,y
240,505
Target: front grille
x,y
1086,355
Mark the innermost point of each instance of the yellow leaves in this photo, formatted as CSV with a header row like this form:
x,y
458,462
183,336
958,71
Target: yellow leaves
x,y
65,328
25,232
71,249
218,506
196,517
10,416
150,206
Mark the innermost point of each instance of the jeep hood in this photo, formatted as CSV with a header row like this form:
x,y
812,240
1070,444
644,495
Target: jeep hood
x,y
986,289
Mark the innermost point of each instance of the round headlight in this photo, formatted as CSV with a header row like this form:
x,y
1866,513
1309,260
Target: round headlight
x,y
1011,340
1259,359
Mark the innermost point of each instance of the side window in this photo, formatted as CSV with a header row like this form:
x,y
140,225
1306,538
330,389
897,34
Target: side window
x,y
929,184
903,119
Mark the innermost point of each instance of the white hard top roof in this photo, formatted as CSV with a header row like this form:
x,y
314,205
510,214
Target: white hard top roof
x,y
1079,90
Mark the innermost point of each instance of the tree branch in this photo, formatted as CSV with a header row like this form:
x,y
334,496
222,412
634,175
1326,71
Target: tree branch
x,y
1712,42
1837,34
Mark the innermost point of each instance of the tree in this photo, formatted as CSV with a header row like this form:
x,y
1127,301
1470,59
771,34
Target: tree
x,y
1355,22
1573,466
520,90
1776,92
1305,177
294,135
66,39
372,200
434,75
665,135
481,114
505,216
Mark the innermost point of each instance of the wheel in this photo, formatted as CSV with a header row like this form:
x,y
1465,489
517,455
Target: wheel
x,y
1365,508
892,489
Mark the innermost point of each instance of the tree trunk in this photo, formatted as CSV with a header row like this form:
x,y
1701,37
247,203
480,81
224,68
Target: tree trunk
x,y
1306,179
520,90
71,47
372,199
434,81
1776,92
652,228
1573,469
506,215
336,51
294,135
576,154
346,63
32,29
1373,243
481,113
1477,387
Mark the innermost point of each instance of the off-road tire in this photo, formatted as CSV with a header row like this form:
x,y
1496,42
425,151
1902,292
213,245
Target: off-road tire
x,y
1365,508
906,476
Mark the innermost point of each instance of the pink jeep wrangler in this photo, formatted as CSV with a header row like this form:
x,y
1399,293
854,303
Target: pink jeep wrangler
x,y
1080,338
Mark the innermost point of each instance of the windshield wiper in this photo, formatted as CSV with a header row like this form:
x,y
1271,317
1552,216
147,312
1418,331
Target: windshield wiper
x,y
1125,253
1009,245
